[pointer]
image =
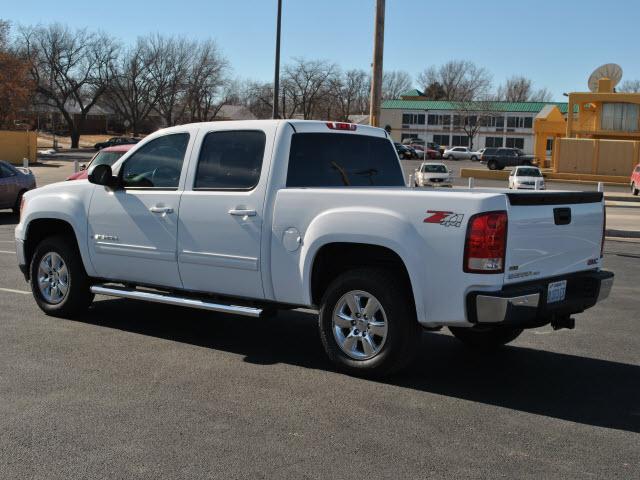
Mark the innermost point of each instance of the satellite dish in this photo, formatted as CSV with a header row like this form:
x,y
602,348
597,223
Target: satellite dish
x,y
612,71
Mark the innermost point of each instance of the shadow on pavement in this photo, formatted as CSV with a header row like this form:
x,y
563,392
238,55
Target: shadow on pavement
x,y
584,390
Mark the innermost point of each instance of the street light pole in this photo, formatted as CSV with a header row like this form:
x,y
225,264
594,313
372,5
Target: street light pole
x,y
276,76
376,78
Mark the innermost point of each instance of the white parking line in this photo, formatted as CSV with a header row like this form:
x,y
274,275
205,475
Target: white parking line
x,y
11,290
8,251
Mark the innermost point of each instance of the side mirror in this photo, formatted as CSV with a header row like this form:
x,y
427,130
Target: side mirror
x,y
102,175
83,167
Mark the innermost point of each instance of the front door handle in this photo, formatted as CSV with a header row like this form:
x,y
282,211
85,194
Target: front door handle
x,y
162,210
242,212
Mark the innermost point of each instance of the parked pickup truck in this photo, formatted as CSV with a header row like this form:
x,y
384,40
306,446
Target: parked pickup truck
x,y
254,216
498,158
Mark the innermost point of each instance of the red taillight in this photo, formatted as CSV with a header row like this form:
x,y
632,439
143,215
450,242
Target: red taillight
x,y
342,126
604,229
486,243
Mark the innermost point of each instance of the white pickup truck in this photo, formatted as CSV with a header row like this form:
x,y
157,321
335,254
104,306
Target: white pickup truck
x,y
254,216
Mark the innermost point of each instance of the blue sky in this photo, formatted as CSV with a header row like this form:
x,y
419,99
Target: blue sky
x,y
555,43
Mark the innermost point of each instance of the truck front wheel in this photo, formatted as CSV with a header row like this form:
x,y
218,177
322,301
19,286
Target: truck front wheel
x,y
485,337
368,324
59,282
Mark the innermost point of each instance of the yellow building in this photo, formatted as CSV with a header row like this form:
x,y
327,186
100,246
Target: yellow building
x,y
600,140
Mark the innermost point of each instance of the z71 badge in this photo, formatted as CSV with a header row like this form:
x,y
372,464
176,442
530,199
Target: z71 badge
x,y
446,219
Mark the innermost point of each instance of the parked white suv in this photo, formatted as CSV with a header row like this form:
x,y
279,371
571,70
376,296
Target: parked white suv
x,y
460,153
251,216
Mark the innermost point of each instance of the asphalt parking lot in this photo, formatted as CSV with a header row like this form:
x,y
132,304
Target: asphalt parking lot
x,y
135,390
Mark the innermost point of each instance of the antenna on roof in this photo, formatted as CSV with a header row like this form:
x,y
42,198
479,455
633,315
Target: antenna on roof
x,y
612,71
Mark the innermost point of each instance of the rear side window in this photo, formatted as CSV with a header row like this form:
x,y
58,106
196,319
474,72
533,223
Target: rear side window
x,y
339,160
230,160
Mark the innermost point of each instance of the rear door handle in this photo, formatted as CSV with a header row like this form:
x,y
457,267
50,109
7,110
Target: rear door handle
x,y
242,212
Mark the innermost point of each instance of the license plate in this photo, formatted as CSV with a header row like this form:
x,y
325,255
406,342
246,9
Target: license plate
x,y
556,291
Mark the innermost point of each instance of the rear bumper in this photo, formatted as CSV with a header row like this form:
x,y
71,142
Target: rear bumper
x,y
525,304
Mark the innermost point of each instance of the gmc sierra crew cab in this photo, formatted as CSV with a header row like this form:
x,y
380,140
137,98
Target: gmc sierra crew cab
x,y
253,216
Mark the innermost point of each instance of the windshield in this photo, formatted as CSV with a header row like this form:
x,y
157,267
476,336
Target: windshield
x,y
106,158
434,169
528,172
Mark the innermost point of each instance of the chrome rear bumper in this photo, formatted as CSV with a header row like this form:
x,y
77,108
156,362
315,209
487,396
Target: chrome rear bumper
x,y
525,304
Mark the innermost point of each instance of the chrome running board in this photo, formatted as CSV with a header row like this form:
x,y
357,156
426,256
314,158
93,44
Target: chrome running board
x,y
168,299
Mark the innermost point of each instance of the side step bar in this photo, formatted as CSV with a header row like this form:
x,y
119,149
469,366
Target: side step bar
x,y
159,297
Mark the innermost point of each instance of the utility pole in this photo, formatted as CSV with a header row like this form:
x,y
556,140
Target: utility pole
x,y
376,78
276,76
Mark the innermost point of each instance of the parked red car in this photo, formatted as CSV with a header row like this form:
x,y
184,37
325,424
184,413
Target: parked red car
x,y
107,156
431,154
635,180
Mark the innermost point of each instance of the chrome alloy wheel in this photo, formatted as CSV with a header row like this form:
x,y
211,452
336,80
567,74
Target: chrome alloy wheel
x,y
359,325
53,278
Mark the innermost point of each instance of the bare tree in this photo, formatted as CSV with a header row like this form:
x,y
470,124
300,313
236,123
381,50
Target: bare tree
x,y
471,116
207,77
305,82
350,93
434,91
395,83
520,89
170,72
630,86
133,91
70,69
461,80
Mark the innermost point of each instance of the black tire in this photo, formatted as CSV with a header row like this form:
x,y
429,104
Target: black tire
x,y
403,331
78,296
474,158
527,163
634,189
16,206
492,165
485,337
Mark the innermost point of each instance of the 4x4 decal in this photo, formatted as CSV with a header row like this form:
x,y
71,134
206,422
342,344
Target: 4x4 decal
x,y
446,219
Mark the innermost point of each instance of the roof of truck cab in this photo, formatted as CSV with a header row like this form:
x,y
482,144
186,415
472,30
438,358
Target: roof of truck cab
x,y
306,126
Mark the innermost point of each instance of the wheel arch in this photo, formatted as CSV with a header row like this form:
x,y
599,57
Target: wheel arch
x,y
40,228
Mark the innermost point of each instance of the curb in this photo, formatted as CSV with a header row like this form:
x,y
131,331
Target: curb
x,y
621,198
611,232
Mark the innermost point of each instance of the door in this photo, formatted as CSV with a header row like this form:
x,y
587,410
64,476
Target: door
x,y
221,215
133,228
8,187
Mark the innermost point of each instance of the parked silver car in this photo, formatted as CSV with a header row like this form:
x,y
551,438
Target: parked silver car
x,y
14,181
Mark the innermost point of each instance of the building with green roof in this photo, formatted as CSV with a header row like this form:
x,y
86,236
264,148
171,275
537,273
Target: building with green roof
x,y
476,124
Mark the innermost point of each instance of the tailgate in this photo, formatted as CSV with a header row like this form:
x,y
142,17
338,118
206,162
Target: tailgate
x,y
552,233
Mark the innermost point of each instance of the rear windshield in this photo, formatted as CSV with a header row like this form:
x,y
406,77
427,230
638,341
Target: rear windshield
x,y
338,160
434,168
528,172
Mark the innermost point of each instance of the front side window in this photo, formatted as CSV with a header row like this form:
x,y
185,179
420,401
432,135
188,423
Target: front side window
x,y
157,164
106,158
337,160
230,160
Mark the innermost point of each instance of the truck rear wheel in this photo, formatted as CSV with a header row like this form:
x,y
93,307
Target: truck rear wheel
x,y
368,324
485,337
59,282
492,165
